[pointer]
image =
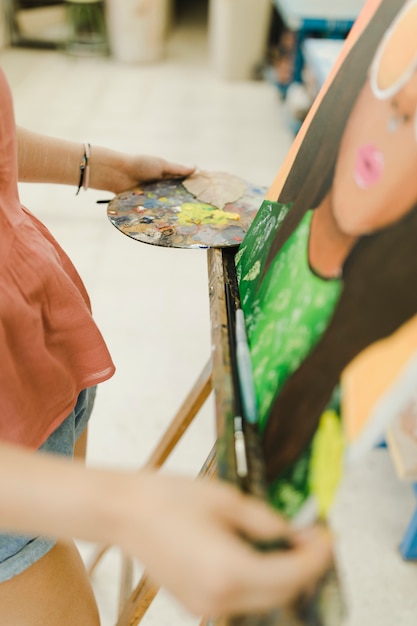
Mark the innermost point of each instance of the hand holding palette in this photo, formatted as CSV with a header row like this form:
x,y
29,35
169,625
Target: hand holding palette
x,y
178,213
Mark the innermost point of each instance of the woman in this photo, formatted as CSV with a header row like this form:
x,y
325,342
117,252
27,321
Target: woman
x,y
189,535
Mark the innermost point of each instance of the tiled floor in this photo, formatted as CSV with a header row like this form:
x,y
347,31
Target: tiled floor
x,y
152,303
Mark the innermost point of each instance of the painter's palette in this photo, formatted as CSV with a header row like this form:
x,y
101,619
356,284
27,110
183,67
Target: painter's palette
x,y
164,213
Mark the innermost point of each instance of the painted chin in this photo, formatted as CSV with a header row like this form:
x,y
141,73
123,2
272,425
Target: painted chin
x,y
369,166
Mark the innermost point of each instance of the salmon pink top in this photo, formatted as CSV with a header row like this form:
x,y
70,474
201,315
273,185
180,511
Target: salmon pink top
x,y
50,347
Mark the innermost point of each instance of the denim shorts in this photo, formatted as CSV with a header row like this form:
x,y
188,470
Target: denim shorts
x,y
18,552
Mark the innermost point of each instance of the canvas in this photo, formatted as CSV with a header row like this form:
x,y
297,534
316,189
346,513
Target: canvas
x,y
328,266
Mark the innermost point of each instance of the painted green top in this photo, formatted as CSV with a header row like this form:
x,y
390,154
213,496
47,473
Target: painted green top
x,y
285,317
290,311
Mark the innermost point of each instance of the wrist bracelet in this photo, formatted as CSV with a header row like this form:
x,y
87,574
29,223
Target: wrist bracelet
x,y
84,169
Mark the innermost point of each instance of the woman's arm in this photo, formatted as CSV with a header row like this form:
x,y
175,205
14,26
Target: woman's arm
x,y
50,160
187,533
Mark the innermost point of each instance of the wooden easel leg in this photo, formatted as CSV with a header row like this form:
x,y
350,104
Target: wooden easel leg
x,y
138,603
142,601
135,607
185,415
126,582
182,420
208,469
96,559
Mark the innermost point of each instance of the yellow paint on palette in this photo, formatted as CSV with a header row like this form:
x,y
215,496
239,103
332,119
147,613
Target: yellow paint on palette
x,y
326,465
197,213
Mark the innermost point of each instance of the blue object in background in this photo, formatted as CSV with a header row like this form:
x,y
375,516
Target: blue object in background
x,y
408,546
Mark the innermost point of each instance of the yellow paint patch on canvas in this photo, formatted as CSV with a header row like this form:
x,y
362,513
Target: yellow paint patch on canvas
x,y
326,465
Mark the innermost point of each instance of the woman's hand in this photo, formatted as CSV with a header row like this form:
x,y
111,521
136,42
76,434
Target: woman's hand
x,y
193,536
51,160
194,539
117,171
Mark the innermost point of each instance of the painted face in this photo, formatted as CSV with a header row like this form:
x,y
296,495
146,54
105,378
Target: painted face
x,y
375,181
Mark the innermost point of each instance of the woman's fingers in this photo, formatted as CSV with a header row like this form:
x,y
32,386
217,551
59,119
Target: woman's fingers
x,y
257,520
274,563
252,582
175,169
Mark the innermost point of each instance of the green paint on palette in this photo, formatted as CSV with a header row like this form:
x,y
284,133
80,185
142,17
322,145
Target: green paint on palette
x,y
165,214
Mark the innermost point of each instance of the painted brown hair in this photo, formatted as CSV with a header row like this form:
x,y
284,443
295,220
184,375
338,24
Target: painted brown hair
x,y
379,276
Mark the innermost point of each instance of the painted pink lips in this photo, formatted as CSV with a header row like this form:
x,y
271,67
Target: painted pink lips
x,y
369,166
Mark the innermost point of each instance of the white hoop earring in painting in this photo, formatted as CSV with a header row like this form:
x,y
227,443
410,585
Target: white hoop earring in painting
x,y
383,94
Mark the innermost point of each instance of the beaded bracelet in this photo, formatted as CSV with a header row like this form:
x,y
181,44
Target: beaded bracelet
x,y
84,169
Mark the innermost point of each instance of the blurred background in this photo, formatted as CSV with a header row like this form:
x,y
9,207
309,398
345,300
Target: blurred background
x,y
224,85
290,43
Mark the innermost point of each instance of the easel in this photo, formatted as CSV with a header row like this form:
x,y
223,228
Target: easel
x,y
133,604
216,376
